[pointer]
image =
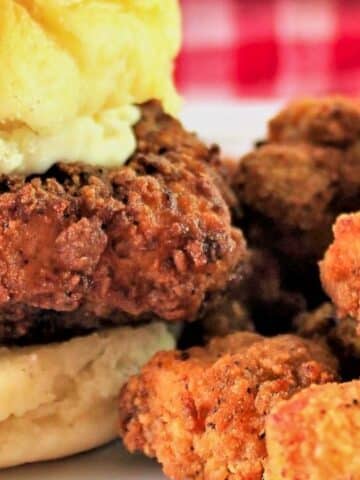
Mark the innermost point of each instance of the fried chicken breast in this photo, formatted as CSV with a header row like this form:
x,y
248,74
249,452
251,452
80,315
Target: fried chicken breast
x,y
201,412
315,435
153,237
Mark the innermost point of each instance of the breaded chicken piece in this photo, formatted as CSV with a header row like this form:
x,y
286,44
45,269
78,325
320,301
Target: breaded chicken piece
x,y
288,197
340,336
340,268
268,301
293,187
329,121
259,301
153,237
322,322
202,412
292,194
228,316
315,435
291,184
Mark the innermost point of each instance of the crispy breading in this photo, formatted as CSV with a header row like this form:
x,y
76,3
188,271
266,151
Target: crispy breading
x,y
323,323
291,194
327,122
292,188
153,237
292,184
315,435
229,316
201,412
339,335
262,292
341,265
258,302
330,121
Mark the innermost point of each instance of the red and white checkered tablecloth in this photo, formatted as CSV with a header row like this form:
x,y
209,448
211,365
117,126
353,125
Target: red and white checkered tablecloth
x,y
266,48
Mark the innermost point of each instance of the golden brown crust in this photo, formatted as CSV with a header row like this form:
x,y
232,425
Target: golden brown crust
x,y
201,412
322,323
153,237
288,194
229,316
340,266
329,121
316,435
301,180
340,335
293,187
292,194
261,300
291,184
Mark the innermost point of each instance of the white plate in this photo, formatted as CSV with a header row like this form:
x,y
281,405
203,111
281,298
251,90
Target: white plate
x,y
234,126
108,463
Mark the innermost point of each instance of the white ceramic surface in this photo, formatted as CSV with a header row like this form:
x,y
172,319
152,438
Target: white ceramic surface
x,y
108,463
235,127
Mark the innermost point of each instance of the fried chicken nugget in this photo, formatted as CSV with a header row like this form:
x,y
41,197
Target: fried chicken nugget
x,y
316,435
340,336
308,170
258,301
201,412
326,122
292,188
288,192
341,266
292,184
330,121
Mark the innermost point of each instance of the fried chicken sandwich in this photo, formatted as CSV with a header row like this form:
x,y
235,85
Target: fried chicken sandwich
x,y
113,218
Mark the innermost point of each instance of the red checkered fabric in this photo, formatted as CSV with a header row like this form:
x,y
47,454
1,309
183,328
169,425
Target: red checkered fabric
x,y
262,48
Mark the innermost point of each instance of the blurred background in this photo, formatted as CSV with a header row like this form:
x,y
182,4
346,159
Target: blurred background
x,y
244,58
265,49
